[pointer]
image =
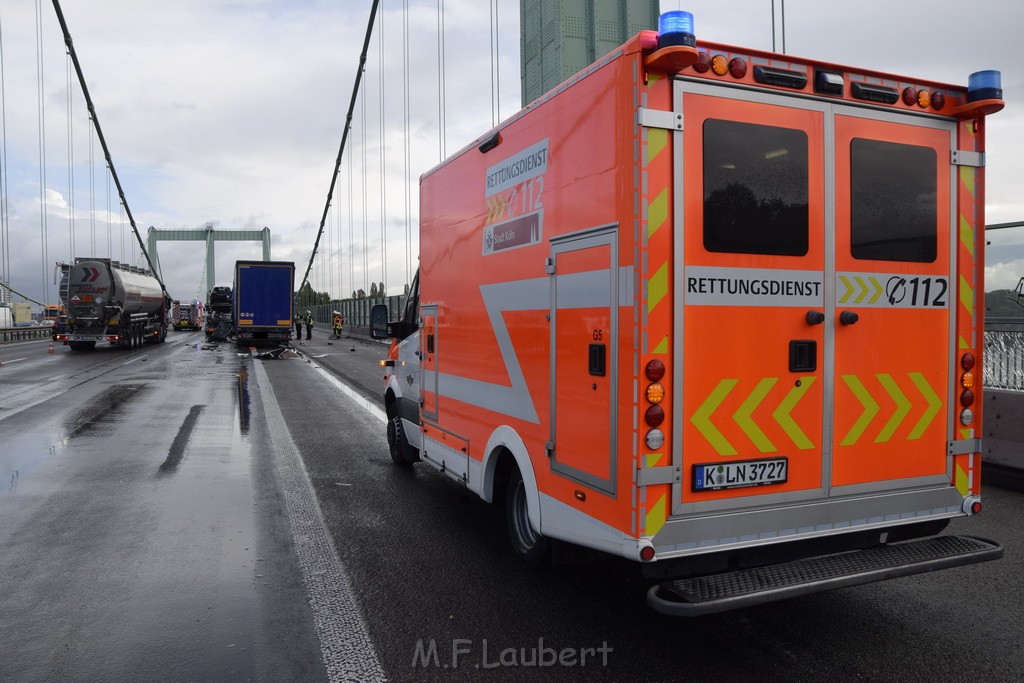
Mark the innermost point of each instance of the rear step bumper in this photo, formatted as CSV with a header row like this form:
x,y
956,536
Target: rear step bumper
x,y
758,585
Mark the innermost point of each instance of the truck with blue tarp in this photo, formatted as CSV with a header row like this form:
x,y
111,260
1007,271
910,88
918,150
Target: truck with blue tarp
x,y
263,302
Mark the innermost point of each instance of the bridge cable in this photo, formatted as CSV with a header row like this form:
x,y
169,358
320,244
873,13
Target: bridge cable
x,y
344,136
440,80
40,78
366,200
5,232
103,142
383,160
407,158
71,160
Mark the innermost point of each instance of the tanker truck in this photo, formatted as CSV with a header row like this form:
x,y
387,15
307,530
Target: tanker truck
x,y
113,302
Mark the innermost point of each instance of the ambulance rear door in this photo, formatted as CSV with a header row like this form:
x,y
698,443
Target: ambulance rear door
x,y
813,299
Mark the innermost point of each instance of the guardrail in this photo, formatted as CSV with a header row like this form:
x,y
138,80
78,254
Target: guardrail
x,y
1004,354
27,333
355,311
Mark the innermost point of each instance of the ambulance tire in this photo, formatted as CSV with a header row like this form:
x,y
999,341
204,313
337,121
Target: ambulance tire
x,y
527,543
402,453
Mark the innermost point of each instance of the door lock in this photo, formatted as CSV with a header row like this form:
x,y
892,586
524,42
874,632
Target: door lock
x,y
848,318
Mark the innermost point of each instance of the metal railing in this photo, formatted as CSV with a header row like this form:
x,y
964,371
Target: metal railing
x,y
1004,354
356,312
26,333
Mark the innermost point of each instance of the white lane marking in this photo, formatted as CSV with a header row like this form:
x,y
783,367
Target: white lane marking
x,y
13,360
345,642
371,408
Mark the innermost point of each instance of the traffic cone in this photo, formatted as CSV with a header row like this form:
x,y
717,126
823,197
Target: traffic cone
x,y
51,347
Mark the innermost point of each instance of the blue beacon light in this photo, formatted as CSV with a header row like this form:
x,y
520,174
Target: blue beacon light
x,y
984,85
676,28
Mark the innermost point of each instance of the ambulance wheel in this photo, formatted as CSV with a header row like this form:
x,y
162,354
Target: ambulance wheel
x,y
402,453
527,543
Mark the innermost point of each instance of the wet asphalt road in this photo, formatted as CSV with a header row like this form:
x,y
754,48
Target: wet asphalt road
x,y
141,536
156,523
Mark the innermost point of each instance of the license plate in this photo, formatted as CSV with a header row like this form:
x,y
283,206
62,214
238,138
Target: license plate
x,y
741,474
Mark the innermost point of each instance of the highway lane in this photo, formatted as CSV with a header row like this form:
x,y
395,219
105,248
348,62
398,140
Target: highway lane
x,y
142,529
225,565
431,564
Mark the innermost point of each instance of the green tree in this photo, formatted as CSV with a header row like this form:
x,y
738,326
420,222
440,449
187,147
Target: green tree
x,y
1003,303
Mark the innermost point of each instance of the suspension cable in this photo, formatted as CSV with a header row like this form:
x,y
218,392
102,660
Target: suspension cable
x,y
40,79
383,160
5,233
103,143
366,201
71,161
407,158
440,79
344,136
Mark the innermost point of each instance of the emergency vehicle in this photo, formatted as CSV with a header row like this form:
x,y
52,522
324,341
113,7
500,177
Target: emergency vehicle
x,y
715,310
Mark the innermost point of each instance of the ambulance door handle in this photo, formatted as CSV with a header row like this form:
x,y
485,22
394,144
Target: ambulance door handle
x,y
848,318
815,317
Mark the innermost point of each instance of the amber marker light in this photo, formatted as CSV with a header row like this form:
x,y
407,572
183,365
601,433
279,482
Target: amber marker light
x,y
655,393
967,380
720,65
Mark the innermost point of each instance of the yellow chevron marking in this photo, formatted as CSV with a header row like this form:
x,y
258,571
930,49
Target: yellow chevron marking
x,y
963,482
701,418
662,346
962,342
652,459
657,212
863,289
655,517
849,289
870,410
967,235
967,179
903,406
749,405
966,433
967,295
782,414
657,138
657,287
879,289
934,405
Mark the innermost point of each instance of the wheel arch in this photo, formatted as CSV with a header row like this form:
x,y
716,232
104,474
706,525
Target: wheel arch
x,y
505,450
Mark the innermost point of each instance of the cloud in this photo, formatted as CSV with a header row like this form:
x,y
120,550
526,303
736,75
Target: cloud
x,y
232,112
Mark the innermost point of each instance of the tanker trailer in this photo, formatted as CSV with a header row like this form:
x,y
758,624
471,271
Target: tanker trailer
x,y
114,302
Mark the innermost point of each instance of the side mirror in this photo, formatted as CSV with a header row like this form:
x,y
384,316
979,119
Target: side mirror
x,y
379,322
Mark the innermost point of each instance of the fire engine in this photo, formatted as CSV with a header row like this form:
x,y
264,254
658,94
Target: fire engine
x,y
713,309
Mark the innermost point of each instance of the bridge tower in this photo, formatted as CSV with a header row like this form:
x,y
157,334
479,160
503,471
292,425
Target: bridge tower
x,y
209,235
561,37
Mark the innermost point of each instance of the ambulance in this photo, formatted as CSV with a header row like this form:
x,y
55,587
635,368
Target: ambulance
x,y
715,310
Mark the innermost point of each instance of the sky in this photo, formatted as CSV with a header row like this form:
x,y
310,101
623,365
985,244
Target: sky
x,y
230,113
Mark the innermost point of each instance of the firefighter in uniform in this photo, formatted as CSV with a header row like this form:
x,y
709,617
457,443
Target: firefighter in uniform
x,y
298,327
308,319
336,324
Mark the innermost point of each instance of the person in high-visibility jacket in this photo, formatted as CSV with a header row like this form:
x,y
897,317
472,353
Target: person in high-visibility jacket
x,y
336,321
308,319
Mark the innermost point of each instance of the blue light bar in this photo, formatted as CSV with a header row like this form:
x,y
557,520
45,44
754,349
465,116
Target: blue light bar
x,y
676,28
984,85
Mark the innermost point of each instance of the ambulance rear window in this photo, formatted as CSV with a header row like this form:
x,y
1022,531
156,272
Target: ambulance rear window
x,y
755,189
893,195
